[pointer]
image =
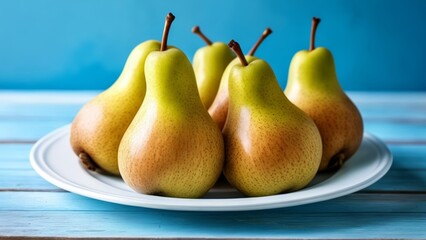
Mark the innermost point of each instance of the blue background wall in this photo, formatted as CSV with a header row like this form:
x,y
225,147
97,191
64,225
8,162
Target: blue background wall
x,y
83,44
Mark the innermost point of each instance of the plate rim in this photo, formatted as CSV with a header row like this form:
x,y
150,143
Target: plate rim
x,y
181,204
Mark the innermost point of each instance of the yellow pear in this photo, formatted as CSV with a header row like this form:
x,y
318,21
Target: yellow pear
x,y
271,146
313,86
97,129
172,147
209,62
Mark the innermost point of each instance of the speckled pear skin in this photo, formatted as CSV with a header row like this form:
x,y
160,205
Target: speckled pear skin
x,y
271,146
100,124
209,62
172,147
219,108
313,86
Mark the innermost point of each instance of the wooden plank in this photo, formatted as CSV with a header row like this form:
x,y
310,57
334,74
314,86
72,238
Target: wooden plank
x,y
408,157
16,172
28,130
23,180
46,97
408,171
15,156
401,181
397,132
15,151
371,216
219,225
388,98
394,106
38,111
356,202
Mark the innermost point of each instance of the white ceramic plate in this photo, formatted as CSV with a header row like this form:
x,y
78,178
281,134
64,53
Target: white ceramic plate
x,y
54,160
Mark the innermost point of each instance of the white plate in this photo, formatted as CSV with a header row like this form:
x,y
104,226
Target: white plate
x,y
53,159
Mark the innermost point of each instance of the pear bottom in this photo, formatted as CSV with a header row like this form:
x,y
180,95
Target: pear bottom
x,y
340,125
280,156
95,135
172,158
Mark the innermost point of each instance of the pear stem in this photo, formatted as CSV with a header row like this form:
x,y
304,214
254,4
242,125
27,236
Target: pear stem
x,y
315,22
169,19
259,41
197,31
237,50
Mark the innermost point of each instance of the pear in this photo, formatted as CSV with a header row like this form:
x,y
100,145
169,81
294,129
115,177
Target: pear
x,y
313,86
209,62
271,146
97,129
172,147
219,108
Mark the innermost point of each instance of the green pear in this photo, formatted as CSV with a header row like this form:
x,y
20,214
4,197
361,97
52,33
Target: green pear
x,y
313,86
209,62
97,129
219,108
271,146
172,147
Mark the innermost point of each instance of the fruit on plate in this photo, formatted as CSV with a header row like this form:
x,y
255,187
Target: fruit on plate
x,y
98,127
209,62
271,146
172,147
219,108
313,86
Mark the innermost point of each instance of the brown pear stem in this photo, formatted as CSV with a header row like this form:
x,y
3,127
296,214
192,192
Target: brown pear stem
x,y
237,50
315,22
197,31
259,41
169,19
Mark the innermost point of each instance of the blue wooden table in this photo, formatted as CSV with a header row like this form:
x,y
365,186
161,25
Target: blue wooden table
x,y
30,207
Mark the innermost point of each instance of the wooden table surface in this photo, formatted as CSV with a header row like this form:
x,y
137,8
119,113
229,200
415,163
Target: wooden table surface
x,y
30,207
